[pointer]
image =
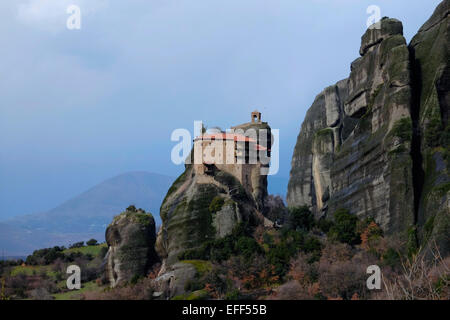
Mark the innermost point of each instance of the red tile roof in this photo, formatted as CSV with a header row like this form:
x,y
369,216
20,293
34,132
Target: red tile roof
x,y
230,136
225,136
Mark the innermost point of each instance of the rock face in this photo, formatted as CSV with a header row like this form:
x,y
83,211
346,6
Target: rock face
x,y
131,240
199,208
431,70
361,144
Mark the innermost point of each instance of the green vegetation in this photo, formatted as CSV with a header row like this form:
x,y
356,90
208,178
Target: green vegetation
x,y
300,218
200,205
32,270
344,228
216,204
91,242
181,179
412,243
435,133
403,129
324,132
222,249
442,189
91,286
201,266
137,215
373,97
93,250
428,227
195,295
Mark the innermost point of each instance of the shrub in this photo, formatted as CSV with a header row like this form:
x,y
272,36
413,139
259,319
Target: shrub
x,y
300,218
216,204
344,228
324,225
391,258
132,208
342,273
77,245
45,256
92,242
247,246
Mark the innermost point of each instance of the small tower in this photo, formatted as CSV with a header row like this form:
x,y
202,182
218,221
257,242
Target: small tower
x,y
256,116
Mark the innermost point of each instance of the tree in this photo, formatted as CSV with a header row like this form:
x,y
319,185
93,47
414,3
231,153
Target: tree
x,y
301,218
344,228
92,242
77,245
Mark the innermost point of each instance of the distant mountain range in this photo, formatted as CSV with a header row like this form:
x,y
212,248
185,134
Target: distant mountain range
x,y
86,215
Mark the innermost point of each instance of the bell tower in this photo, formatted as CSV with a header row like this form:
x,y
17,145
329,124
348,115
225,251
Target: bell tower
x,y
256,116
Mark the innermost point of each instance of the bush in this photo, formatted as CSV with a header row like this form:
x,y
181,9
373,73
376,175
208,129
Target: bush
x,y
222,249
216,204
132,208
45,256
391,258
300,218
325,225
77,245
92,242
342,273
247,246
344,228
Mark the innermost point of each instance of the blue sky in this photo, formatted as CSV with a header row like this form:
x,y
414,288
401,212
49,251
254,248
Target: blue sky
x,y
80,106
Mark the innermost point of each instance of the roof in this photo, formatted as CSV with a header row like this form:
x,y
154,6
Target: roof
x,y
225,136
230,136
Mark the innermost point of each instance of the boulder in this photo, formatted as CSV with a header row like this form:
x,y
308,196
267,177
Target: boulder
x,y
131,240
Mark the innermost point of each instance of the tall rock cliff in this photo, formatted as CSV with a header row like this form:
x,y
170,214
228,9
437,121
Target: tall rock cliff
x,y
362,141
430,55
200,208
208,202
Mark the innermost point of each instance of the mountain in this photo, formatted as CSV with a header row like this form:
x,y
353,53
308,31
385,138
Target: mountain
x,y
86,215
377,143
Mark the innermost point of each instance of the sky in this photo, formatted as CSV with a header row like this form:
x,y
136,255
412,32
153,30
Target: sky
x,y
80,106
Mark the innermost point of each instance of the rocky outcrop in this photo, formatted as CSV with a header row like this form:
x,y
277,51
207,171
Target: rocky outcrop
x,y
326,112
358,145
199,208
131,241
430,55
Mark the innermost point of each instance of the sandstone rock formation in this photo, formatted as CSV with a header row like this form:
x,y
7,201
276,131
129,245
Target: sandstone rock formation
x,y
190,216
198,209
131,240
203,205
362,141
431,71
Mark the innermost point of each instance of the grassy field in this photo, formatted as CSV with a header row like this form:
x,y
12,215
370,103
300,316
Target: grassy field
x,y
32,270
75,294
92,250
